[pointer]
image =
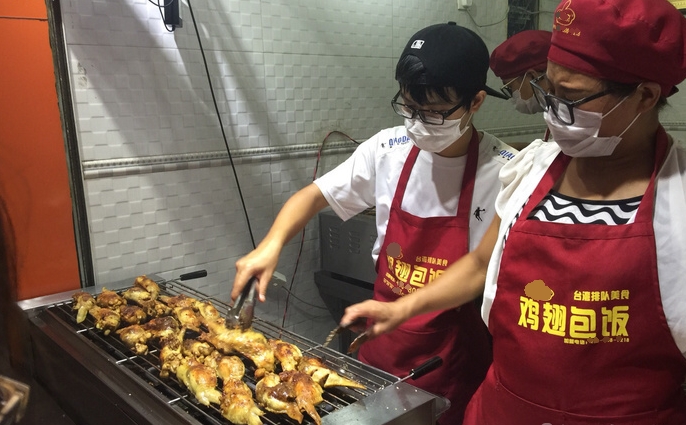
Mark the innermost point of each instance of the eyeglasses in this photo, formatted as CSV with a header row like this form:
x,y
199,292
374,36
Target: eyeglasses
x,y
562,108
507,91
425,115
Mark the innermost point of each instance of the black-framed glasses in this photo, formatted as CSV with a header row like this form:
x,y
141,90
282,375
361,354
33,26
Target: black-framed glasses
x,y
425,115
562,109
506,89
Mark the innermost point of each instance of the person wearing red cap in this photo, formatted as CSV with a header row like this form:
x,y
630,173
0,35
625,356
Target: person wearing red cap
x,y
433,184
517,61
582,270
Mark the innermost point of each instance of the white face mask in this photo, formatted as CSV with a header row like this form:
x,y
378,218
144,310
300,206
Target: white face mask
x,y
581,138
529,106
435,138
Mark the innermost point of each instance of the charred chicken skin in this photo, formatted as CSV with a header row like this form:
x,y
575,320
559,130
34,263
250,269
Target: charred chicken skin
x,y
138,295
180,300
162,327
83,301
308,393
277,396
207,311
132,314
197,349
227,367
187,317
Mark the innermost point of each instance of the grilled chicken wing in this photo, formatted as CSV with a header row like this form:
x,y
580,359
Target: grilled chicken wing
x,y
171,354
207,310
227,367
136,338
83,301
109,299
106,319
132,314
162,327
138,295
197,349
180,300
287,354
200,380
277,396
149,285
308,393
187,317
325,376
237,403
249,343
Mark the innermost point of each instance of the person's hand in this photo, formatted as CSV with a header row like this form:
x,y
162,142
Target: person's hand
x,y
260,263
385,316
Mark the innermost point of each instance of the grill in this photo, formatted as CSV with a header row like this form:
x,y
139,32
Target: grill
x,y
95,377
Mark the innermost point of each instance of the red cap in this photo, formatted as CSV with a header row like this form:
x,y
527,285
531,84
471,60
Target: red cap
x,y
625,41
521,52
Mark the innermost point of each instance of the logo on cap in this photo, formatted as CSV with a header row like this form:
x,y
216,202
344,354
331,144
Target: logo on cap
x,y
564,15
417,44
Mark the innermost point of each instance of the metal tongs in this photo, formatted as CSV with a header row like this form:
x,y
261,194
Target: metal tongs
x,y
354,325
243,310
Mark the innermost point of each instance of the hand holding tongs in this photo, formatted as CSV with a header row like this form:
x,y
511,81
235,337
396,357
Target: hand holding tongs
x,y
243,310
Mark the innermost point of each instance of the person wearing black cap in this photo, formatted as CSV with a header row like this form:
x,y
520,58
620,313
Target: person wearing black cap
x,y
433,183
582,270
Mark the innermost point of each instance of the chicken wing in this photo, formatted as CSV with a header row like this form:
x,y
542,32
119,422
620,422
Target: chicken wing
x,y
106,319
287,354
249,343
308,393
187,317
149,285
109,299
132,314
325,376
136,338
238,405
83,301
162,327
197,349
171,354
180,300
138,295
200,380
227,367
277,396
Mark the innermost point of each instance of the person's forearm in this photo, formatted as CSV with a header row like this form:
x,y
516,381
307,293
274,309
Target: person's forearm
x,y
461,283
295,214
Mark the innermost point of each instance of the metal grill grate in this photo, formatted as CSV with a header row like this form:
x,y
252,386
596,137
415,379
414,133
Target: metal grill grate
x,y
147,367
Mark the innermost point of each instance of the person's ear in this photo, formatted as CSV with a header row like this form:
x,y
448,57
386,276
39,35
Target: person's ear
x,y
477,101
648,95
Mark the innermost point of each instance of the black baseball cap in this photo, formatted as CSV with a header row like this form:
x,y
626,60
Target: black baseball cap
x,y
453,56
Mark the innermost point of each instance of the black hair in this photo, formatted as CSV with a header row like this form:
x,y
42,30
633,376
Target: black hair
x,y
623,90
411,75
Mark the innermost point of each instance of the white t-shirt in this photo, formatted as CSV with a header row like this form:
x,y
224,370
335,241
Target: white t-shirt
x,y
521,176
370,176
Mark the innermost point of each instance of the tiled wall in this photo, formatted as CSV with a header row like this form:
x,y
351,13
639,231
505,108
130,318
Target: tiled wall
x,y
161,194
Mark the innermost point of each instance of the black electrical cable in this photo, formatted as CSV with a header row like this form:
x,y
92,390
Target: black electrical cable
x,y
221,126
302,233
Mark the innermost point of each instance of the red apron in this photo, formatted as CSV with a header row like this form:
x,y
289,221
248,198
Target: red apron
x,y
414,252
591,344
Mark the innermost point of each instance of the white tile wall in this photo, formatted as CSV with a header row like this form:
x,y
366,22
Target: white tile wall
x,y
284,74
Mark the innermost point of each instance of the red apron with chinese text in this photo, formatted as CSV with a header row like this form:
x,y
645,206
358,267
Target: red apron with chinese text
x,y
414,252
579,333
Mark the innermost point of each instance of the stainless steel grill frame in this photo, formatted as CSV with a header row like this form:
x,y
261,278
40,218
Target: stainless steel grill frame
x,y
136,378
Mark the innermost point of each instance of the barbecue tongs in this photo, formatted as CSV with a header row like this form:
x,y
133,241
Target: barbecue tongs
x,y
243,310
